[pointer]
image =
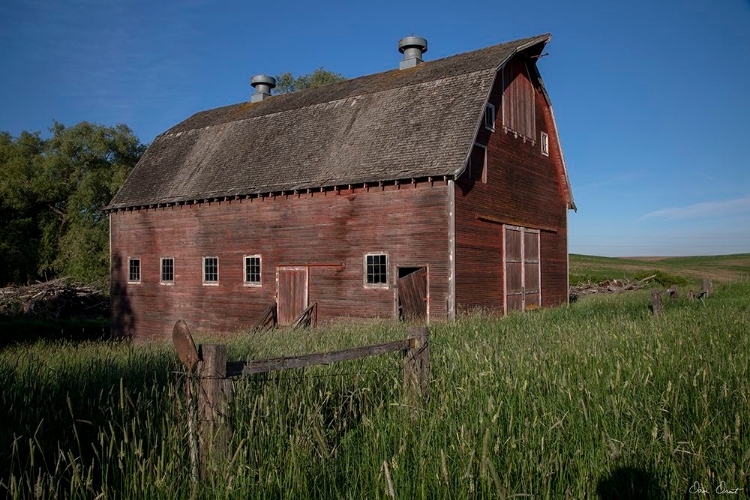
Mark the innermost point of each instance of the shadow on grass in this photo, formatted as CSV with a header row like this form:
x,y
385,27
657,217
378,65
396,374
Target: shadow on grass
x,y
98,396
628,483
30,330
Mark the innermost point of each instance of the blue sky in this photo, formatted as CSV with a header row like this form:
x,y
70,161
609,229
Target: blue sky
x,y
651,98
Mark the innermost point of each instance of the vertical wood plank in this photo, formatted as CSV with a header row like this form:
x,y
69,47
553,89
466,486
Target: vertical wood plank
x,y
656,305
417,364
214,400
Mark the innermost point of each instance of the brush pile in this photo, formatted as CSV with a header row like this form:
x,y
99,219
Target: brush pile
x,y
56,299
606,286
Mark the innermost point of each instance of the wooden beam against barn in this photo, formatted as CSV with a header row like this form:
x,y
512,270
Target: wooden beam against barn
x,y
511,222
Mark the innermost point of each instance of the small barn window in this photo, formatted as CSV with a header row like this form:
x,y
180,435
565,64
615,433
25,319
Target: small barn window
x,y
167,270
252,270
489,117
134,270
376,269
545,144
210,270
478,163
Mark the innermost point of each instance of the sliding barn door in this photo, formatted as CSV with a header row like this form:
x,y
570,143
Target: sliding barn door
x,y
292,293
522,269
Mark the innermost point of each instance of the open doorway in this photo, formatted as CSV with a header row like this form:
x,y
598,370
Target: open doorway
x,y
412,293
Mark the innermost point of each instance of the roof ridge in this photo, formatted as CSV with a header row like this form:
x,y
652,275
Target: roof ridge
x,y
314,104
476,60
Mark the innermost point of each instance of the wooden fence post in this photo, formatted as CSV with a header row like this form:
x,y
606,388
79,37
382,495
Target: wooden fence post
x,y
214,398
417,364
707,288
656,306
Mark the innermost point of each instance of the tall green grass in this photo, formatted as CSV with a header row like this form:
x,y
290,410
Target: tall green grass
x,y
599,399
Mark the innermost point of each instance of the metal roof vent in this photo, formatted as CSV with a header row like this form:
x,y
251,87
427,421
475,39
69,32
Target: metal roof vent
x,y
262,85
412,47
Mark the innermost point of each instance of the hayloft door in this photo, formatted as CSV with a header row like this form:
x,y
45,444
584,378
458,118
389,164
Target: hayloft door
x,y
412,293
522,269
291,293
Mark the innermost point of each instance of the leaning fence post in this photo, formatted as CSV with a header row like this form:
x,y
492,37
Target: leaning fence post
x,y
417,363
214,398
656,306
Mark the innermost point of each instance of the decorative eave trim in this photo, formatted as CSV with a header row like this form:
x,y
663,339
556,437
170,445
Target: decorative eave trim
x,y
411,182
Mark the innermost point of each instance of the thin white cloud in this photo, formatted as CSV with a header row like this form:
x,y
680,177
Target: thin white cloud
x,y
705,209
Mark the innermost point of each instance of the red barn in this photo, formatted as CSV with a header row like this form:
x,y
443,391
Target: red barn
x,y
424,191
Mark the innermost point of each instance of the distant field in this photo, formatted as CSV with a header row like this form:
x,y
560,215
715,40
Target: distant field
x,y
719,268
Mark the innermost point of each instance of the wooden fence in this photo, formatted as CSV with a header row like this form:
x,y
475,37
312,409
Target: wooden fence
x,y
214,391
657,307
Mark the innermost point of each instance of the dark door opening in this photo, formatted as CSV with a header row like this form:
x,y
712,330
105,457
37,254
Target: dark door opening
x,y
412,293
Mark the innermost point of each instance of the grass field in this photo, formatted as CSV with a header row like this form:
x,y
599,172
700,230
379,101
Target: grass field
x,y
596,400
720,268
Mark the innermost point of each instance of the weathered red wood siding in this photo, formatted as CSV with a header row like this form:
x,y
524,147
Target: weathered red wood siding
x,y
329,232
523,188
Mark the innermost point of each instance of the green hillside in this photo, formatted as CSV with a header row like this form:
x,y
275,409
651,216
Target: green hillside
x,y
719,268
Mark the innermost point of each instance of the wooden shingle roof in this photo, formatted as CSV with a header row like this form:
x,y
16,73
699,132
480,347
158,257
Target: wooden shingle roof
x,y
401,124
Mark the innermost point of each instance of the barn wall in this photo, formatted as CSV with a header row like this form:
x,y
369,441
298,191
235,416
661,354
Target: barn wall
x,y
328,231
523,188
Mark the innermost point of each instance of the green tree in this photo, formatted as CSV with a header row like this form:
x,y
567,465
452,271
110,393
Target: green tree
x,y
52,195
286,82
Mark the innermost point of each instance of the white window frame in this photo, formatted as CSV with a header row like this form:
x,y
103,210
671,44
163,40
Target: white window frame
x,y
140,271
545,143
245,281
387,271
203,270
161,271
490,109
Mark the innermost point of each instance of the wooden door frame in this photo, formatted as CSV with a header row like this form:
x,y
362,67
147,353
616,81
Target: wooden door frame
x,y
396,267
306,269
523,231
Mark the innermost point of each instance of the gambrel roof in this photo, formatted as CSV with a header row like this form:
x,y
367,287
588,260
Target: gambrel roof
x,y
398,125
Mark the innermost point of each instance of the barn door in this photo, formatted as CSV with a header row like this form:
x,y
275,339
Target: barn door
x,y
522,269
291,293
412,293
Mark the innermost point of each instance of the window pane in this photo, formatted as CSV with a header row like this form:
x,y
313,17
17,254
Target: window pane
x,y
252,269
377,269
167,270
134,270
211,270
489,117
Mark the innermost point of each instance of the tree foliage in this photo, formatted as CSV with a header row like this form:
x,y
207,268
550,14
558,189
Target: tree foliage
x,y
52,195
286,82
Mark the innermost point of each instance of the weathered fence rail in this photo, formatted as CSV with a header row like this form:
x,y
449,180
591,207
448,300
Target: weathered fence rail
x,y
215,384
237,368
